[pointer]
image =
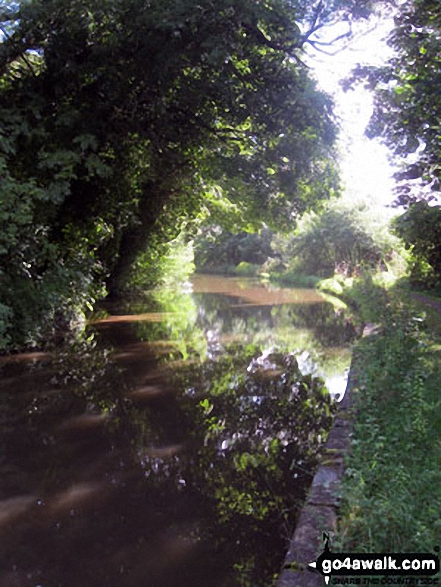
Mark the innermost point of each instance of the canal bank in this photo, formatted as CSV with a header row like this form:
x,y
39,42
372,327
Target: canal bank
x,y
320,512
163,447
390,492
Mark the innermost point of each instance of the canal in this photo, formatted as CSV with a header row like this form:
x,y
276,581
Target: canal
x,y
171,440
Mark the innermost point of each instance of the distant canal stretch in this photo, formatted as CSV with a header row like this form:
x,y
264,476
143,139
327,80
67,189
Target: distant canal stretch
x,y
172,443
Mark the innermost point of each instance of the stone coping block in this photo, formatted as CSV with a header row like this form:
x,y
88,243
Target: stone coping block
x,y
305,545
319,514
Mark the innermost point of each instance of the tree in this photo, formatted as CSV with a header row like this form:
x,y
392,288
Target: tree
x,y
407,107
218,249
344,237
420,228
118,116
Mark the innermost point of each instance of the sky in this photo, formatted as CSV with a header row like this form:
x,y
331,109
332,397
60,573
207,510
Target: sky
x,y
365,167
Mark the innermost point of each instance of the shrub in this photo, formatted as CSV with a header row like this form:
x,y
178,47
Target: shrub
x,y
345,237
246,269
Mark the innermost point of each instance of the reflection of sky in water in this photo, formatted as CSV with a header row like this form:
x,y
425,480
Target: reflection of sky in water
x,y
336,383
112,471
202,319
231,309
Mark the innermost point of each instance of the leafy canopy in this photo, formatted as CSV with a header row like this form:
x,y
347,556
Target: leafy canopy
x,y
120,117
420,229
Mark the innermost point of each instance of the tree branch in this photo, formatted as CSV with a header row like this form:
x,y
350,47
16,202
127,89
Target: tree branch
x,y
259,36
329,43
331,53
19,53
314,25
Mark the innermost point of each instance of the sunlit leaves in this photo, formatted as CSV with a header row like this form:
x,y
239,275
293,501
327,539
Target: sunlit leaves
x,y
136,114
342,237
407,106
420,228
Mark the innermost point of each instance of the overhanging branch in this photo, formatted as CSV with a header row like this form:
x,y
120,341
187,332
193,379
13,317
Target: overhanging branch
x,y
19,53
289,49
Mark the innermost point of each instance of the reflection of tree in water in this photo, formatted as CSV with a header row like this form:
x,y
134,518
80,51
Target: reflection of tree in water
x,y
330,327
197,486
257,433
178,323
197,324
220,317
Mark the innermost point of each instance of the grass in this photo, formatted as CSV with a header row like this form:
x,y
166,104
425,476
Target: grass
x,y
392,489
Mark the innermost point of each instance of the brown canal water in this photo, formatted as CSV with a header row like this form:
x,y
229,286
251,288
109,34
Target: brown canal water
x,y
171,443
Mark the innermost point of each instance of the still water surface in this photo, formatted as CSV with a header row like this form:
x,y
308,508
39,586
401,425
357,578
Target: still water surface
x,y
173,443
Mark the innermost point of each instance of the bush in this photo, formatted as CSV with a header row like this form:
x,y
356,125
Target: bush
x,y
215,248
46,294
420,228
296,279
344,238
245,269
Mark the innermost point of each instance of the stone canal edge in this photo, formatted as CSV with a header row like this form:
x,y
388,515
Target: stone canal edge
x,y
320,511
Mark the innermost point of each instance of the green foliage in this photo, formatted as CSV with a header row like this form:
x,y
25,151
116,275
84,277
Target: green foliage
x,y
364,294
407,106
343,238
296,279
245,269
5,321
161,263
45,286
216,248
130,119
393,475
420,229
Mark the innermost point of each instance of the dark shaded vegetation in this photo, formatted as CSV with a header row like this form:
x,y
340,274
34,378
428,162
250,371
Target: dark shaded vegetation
x,y
219,250
420,229
122,120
